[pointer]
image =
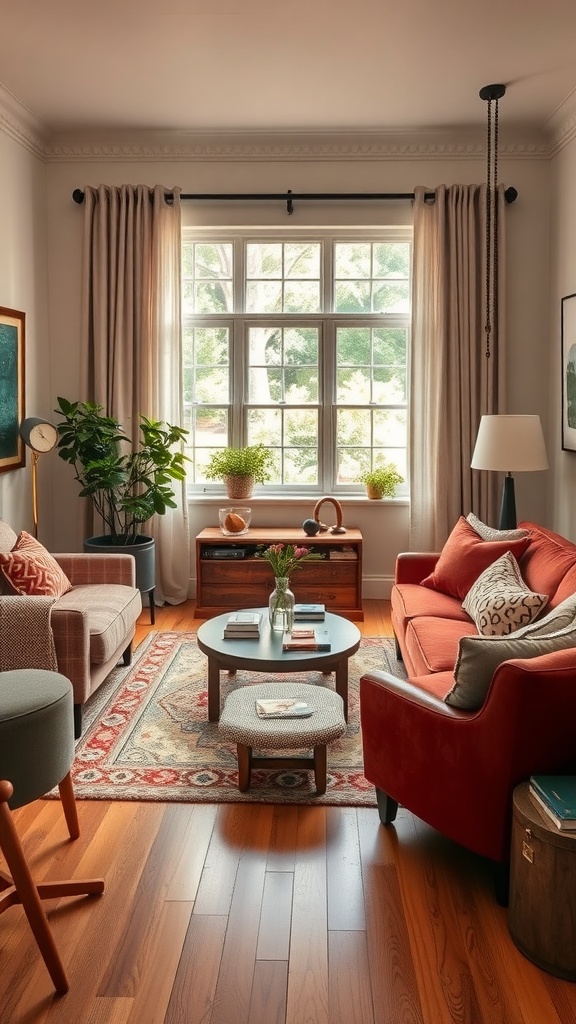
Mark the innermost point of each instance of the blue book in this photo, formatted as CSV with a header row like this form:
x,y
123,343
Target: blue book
x,y
309,611
556,794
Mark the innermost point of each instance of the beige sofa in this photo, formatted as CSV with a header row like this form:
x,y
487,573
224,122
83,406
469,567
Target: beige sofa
x,y
84,633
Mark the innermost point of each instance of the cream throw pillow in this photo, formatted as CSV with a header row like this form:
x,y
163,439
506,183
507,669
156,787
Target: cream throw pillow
x,y
489,533
499,601
479,657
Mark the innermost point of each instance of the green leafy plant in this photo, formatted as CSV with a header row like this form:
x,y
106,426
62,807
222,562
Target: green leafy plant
x,y
383,480
255,461
126,487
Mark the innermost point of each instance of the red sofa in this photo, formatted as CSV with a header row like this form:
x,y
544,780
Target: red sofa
x,y
455,768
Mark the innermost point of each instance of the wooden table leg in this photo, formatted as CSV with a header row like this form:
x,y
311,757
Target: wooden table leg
x,y
342,683
244,766
320,765
213,690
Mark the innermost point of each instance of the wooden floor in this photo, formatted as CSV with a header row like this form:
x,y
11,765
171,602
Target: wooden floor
x,y
236,914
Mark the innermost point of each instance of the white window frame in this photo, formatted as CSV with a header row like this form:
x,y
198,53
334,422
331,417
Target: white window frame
x,y
327,321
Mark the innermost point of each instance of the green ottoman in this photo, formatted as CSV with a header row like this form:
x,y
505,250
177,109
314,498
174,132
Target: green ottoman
x,y
36,754
240,724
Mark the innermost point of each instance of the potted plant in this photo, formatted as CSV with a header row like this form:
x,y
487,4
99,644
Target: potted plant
x,y
381,482
240,468
126,487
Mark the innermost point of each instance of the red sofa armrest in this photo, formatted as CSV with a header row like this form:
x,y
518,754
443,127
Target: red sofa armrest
x,y
458,771
415,566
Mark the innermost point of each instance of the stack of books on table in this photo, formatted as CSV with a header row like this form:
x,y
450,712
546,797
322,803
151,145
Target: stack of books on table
x,y
309,612
243,626
556,796
306,640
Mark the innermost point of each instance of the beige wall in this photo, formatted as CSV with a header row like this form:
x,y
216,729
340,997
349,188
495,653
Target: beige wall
x,y
54,357
562,282
23,286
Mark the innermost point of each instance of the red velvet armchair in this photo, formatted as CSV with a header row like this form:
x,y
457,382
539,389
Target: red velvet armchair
x,y
457,769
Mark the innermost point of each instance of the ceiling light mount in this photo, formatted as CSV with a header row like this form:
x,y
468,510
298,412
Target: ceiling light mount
x,y
492,92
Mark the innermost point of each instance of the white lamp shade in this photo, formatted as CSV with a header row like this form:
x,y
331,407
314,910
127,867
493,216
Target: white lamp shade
x,y
510,444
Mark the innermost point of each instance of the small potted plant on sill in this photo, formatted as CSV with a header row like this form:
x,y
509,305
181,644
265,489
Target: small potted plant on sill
x,y
382,481
240,468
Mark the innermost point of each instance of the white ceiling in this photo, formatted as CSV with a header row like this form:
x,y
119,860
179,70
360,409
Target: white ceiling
x,y
295,65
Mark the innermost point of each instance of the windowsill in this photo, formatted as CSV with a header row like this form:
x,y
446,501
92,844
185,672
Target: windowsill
x,y
346,500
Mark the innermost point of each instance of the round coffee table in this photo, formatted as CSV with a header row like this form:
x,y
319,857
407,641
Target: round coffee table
x,y
265,654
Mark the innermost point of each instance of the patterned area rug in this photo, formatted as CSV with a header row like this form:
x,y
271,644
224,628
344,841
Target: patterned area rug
x,y
146,734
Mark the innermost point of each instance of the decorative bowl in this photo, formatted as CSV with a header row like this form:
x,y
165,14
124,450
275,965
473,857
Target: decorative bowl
x,y
234,520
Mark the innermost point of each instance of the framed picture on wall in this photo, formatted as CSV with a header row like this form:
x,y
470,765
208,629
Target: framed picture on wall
x,y
12,448
568,331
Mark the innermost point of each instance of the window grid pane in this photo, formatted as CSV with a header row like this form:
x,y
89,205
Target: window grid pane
x,y
283,277
327,409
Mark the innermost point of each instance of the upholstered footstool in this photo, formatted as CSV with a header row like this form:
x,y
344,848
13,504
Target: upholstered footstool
x,y
240,724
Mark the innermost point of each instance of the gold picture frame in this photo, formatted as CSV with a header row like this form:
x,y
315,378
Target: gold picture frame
x,y
12,382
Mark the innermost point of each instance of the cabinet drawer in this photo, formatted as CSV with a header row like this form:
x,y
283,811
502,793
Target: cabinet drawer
x,y
333,597
235,573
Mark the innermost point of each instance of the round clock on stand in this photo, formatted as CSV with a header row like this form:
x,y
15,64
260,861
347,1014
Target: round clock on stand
x,y
40,437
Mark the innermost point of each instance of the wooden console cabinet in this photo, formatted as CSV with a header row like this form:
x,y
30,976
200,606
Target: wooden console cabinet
x,y
230,576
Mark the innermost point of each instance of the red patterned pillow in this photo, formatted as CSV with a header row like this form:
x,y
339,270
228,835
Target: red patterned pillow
x,y
29,569
464,556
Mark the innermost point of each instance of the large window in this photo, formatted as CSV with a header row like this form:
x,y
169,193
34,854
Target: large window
x,y
300,344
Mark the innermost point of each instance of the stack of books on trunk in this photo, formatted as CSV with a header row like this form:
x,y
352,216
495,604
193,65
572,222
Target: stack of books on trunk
x,y
556,796
306,640
243,626
309,612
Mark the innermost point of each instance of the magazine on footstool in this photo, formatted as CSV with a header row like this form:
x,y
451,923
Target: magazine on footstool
x,y
288,707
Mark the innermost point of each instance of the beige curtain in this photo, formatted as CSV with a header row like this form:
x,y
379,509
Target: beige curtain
x,y
452,383
131,334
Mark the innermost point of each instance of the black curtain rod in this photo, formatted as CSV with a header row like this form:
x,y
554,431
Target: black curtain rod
x,y
289,197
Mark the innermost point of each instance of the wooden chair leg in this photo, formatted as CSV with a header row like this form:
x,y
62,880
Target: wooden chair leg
x,y
19,887
27,892
69,806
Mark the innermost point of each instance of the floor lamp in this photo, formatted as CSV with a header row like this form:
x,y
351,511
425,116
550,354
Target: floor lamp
x,y
509,444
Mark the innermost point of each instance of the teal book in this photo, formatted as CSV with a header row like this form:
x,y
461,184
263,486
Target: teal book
x,y
556,794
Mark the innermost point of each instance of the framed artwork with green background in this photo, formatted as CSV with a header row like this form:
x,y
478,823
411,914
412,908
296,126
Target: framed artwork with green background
x,y
12,449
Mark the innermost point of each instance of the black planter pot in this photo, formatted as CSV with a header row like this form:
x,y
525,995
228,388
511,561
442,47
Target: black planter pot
x,y
144,553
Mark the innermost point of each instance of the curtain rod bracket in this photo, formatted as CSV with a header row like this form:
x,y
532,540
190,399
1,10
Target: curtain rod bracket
x,y
289,204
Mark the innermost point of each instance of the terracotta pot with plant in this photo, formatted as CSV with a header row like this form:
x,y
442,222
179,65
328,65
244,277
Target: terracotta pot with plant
x,y
240,468
382,481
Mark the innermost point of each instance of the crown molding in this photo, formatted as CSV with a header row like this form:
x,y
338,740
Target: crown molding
x,y
22,125
206,147
561,127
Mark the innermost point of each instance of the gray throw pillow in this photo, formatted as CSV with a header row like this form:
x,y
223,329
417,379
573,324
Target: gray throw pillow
x,y
557,619
489,533
479,657
499,601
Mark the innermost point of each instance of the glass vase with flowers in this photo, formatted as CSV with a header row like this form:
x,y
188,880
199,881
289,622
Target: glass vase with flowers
x,y
284,559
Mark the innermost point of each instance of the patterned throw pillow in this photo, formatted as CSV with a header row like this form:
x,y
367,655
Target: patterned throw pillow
x,y
479,657
30,569
499,601
489,533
